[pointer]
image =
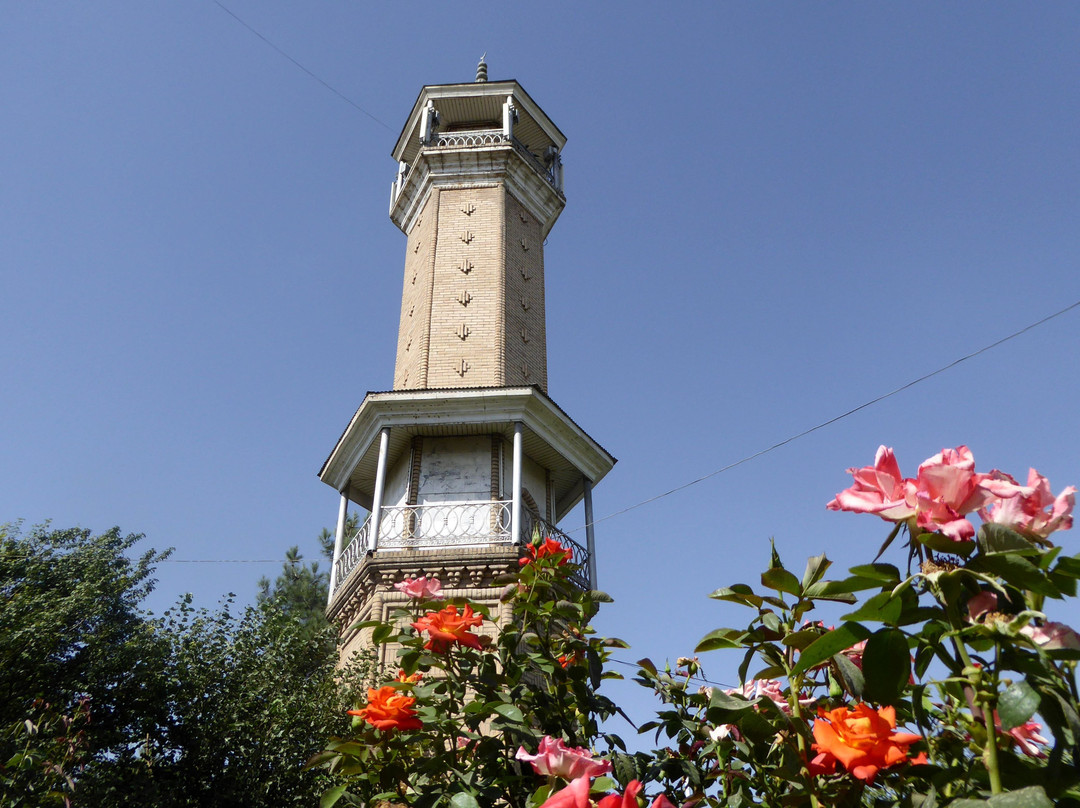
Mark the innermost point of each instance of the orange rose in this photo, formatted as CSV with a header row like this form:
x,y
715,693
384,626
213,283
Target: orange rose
x,y
864,740
448,626
388,709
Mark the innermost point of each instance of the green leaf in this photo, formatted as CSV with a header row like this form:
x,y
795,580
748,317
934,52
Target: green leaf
x,y
815,568
881,608
717,639
509,712
801,639
830,644
1030,797
1017,704
827,589
993,538
1068,565
781,580
332,795
852,678
771,622
886,666
737,593
943,544
886,573
723,701
1017,571
463,800
774,558
647,665
381,633
771,672
475,707
833,590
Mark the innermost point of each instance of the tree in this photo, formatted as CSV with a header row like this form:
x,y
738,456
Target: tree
x,y
71,632
302,590
196,708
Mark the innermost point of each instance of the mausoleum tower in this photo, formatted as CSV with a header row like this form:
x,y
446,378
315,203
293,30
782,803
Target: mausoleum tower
x,y
466,457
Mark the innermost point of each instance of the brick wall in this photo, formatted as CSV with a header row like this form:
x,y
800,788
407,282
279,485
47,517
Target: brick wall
x,y
472,310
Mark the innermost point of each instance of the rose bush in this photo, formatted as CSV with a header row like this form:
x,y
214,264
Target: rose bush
x,y
949,683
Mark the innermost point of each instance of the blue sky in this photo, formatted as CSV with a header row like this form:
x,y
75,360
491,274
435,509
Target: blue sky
x,y
776,212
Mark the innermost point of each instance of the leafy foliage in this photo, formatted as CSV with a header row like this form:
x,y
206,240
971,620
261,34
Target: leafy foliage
x,y
538,676
926,694
196,708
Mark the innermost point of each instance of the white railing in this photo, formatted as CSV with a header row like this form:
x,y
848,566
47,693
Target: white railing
x,y
444,524
440,525
471,137
354,551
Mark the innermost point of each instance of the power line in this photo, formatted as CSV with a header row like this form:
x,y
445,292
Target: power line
x,y
325,84
729,466
833,420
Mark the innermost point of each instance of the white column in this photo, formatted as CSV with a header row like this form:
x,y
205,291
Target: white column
x,y
508,117
590,538
339,540
380,482
515,507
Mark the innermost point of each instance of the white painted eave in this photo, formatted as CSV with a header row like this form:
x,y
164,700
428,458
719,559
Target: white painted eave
x,y
551,436
445,97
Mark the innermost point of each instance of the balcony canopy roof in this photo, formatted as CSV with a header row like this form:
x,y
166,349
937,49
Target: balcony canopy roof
x,y
550,437
478,105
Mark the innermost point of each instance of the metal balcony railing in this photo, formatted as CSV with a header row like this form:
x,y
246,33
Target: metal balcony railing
x,y
441,525
472,138
533,526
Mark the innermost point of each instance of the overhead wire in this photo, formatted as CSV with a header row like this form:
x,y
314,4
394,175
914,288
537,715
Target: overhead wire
x,y
736,463
833,420
313,75
698,480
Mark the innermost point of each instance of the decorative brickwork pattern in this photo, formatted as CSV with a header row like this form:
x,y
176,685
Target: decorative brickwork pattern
x,y
370,593
410,370
473,303
525,337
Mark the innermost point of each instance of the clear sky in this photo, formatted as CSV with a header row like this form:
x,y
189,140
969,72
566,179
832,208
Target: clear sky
x,y
776,212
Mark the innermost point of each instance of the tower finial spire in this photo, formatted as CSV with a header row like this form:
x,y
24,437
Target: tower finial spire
x,y
481,68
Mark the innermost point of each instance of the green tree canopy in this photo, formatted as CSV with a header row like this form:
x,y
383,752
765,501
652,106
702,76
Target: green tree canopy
x,y
195,708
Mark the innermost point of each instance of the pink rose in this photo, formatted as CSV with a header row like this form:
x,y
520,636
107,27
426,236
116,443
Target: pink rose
x,y
625,800
855,653
575,795
878,489
979,605
947,487
1026,736
422,588
554,758
1027,513
1052,636
767,688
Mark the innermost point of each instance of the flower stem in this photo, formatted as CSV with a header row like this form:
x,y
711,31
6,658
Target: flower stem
x,y
992,765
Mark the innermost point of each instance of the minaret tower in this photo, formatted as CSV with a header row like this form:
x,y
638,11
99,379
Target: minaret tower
x,y
467,457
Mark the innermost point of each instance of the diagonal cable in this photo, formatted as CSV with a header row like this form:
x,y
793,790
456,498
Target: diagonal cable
x,y
332,89
834,419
